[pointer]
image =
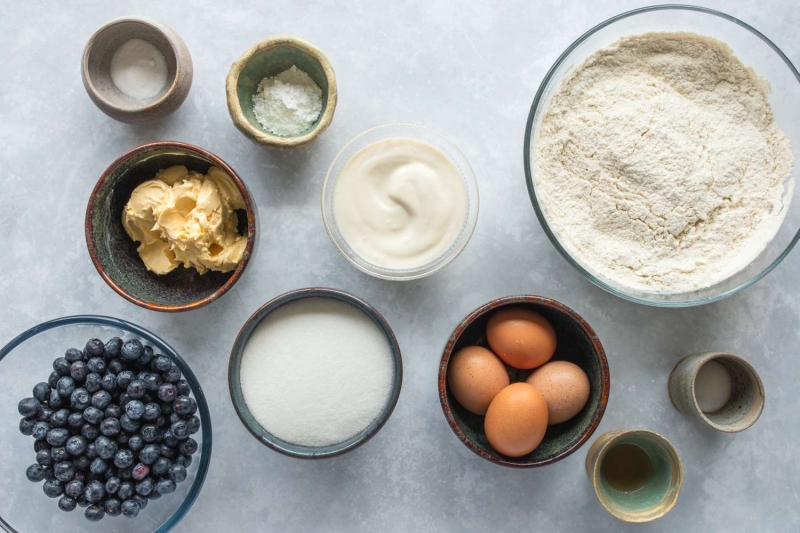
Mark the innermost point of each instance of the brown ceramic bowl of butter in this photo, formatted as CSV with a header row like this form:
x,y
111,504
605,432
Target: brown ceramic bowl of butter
x,y
204,238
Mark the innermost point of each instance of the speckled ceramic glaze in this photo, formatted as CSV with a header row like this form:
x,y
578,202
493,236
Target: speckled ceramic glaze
x,y
296,450
743,408
114,253
658,495
96,70
576,342
269,58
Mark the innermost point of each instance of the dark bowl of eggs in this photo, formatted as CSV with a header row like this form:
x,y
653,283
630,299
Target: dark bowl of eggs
x,y
523,381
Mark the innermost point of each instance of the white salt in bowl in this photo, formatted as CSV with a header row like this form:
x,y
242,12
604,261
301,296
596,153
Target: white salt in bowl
x,y
753,49
289,448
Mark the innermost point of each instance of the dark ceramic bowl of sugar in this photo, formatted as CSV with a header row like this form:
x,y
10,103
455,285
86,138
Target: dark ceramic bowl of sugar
x,y
297,450
114,253
576,343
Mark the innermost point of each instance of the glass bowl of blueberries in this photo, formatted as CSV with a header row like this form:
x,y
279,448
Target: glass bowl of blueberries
x,y
103,427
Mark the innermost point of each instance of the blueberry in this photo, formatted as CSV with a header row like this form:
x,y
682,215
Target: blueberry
x,y
124,398
153,495
129,425
41,391
147,356
165,486
134,409
44,457
174,417
126,490
106,448
108,383
141,500
161,363
188,447
124,378
112,485
64,471
172,375
78,370
161,467
59,418
123,459
150,433
73,489
91,450
152,381
57,437
45,413
96,364
75,420
167,392
110,427
183,387
94,347
145,486
132,350
29,407
80,399
61,365
113,411
73,354
98,466
76,445
162,421
113,507
140,471
39,445
126,473
169,439
194,424
59,453
180,430
82,501
35,473
93,382
184,405
115,366
26,425
149,454
83,462
151,411
113,348
177,473
184,460
123,437
67,504
93,415
94,513
40,430
53,488
94,491
168,451
101,399
130,508
166,408
136,389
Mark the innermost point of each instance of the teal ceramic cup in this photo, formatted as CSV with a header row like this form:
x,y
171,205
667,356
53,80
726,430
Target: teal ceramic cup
x,y
636,474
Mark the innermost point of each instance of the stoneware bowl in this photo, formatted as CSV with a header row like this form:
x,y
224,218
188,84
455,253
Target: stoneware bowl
x,y
288,448
268,58
114,253
576,343
96,70
659,493
745,404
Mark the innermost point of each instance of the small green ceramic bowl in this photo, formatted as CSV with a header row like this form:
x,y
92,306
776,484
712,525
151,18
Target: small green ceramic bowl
x,y
114,253
576,343
269,58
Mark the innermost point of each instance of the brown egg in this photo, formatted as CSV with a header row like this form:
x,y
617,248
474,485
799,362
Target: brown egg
x,y
516,420
475,376
521,337
565,388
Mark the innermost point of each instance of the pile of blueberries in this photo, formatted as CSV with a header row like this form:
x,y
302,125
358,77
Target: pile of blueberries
x,y
112,426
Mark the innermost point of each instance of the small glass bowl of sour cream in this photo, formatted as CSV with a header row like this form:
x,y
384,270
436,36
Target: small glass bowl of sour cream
x,y
400,201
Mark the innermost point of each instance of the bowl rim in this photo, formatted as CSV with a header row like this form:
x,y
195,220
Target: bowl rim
x,y
194,383
252,225
534,112
176,44
327,216
553,305
234,362
260,136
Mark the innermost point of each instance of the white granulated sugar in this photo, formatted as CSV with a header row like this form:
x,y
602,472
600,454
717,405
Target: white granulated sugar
x,y
287,104
316,371
658,164
138,69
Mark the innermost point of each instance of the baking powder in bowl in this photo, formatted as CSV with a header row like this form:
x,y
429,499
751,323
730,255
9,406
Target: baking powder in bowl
x,y
316,371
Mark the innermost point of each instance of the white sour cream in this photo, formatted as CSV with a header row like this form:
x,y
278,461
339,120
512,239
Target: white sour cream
x,y
400,203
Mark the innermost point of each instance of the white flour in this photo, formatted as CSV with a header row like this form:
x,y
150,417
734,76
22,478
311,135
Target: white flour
x,y
316,371
659,166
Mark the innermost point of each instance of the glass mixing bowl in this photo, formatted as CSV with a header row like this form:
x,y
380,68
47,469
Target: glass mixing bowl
x,y
400,131
27,360
753,49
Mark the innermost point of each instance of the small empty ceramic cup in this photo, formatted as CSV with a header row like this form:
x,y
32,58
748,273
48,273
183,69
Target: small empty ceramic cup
x,y
96,70
636,474
721,390
269,58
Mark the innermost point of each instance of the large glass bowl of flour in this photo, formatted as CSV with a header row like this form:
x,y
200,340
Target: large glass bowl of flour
x,y
769,64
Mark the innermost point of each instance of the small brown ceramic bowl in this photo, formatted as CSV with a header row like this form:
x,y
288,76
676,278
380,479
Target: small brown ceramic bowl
x,y
114,253
96,70
269,58
576,343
